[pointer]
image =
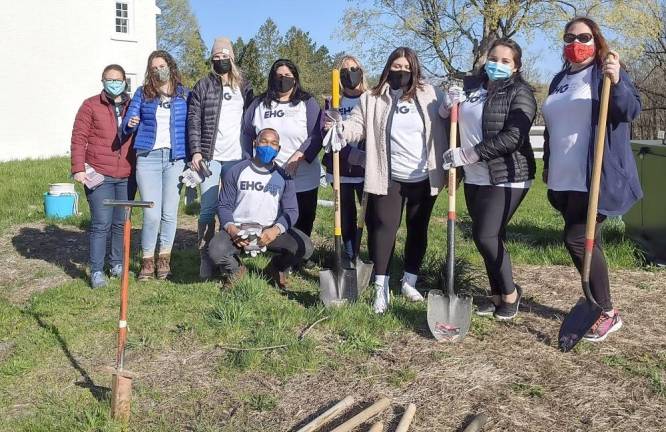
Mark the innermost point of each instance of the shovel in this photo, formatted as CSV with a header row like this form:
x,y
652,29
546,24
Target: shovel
x,y
449,317
363,269
338,285
587,311
121,378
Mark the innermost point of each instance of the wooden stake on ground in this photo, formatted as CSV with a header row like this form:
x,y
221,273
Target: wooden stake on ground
x,y
363,416
407,418
377,427
329,415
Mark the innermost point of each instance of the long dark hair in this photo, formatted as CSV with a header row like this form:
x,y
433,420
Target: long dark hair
x,y
271,93
415,67
601,49
150,82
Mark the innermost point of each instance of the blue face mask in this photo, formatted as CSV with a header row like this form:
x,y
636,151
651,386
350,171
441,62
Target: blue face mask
x,y
265,154
114,87
497,71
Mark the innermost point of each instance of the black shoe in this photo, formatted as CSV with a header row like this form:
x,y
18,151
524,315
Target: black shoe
x,y
487,308
507,311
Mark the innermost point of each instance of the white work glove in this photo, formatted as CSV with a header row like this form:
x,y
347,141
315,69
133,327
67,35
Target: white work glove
x,y
191,178
457,157
334,140
252,235
454,94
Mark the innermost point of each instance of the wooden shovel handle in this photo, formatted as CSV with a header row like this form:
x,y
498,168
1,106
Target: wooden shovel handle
x,y
364,415
328,415
377,427
595,181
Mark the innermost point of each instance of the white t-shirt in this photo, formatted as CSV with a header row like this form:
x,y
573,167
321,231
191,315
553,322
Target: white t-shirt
x,y
470,122
409,157
347,104
568,115
227,143
163,118
259,195
290,121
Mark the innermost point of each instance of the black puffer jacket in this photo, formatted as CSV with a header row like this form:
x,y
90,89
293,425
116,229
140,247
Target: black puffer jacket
x,y
203,113
507,118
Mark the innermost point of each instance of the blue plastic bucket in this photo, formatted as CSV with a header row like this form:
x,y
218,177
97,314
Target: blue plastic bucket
x,y
60,206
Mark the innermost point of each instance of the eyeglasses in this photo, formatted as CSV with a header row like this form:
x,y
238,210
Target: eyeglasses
x,y
582,38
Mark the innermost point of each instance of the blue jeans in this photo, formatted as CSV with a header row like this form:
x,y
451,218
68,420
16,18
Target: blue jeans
x,y
106,220
210,189
157,177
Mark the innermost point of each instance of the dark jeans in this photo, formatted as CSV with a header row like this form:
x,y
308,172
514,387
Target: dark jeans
x,y
491,209
349,193
573,207
384,217
290,247
307,210
106,220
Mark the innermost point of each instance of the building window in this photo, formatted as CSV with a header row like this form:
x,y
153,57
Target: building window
x,y
128,84
122,18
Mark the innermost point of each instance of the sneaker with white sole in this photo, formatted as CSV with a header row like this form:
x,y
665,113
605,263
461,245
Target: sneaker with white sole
x,y
116,271
410,292
98,280
382,298
604,326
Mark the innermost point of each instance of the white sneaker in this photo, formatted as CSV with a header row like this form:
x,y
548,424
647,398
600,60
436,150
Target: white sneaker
x,y
382,298
410,292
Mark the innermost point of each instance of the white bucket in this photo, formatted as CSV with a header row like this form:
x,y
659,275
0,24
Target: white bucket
x,y
61,188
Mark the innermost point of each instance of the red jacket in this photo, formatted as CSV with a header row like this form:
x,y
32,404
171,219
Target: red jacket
x,y
95,139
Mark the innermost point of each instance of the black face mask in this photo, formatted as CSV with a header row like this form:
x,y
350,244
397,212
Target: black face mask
x,y
399,79
221,66
284,83
350,77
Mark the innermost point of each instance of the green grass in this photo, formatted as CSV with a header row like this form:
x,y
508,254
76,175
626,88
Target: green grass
x,y
65,327
650,366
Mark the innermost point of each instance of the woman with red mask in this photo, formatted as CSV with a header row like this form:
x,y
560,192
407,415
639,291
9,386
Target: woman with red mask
x,y
571,114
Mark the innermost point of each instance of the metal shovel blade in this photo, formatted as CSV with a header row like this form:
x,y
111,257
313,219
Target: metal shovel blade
x,y
579,321
336,290
449,318
363,274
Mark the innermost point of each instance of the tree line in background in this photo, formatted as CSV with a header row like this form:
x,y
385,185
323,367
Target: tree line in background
x,y
451,36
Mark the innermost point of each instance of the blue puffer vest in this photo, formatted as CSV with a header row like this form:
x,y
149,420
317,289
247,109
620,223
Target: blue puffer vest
x,y
146,131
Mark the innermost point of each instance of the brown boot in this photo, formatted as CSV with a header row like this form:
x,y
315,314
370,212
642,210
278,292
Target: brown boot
x,y
163,266
231,279
147,269
278,277
207,267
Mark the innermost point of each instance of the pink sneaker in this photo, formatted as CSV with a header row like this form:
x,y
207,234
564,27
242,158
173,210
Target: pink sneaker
x,y
604,326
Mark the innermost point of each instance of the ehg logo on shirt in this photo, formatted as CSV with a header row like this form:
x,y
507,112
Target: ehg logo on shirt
x,y
273,114
258,186
474,99
345,111
227,96
561,89
402,110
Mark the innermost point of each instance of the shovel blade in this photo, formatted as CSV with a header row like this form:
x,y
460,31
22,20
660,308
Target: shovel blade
x,y
337,289
579,321
449,318
121,396
363,274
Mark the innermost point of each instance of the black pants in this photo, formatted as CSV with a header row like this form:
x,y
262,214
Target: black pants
x,y
290,247
349,194
307,210
384,217
491,209
573,206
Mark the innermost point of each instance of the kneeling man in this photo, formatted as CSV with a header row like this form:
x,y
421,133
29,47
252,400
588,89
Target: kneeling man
x,y
258,197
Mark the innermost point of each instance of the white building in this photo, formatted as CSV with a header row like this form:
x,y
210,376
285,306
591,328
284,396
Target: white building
x,y
53,53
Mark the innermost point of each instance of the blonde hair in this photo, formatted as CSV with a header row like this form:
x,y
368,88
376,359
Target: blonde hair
x,y
363,86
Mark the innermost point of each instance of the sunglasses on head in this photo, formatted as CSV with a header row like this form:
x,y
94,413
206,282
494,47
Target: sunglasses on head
x,y
582,38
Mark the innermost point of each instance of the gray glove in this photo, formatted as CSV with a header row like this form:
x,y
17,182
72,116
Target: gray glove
x,y
458,157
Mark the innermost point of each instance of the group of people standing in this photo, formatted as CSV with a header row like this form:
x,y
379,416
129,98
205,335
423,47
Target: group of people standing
x,y
264,155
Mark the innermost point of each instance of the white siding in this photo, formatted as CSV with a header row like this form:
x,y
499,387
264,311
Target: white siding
x,y
53,54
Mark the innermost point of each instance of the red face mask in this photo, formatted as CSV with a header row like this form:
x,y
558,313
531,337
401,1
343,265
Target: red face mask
x,y
577,52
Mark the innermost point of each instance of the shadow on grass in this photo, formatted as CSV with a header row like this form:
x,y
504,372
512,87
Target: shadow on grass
x,y
101,394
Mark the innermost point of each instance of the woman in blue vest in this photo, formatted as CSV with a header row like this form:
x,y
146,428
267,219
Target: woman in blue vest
x,y
571,113
157,117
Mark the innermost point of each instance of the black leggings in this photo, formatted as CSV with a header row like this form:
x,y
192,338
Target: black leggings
x,y
307,210
349,193
573,206
384,217
491,208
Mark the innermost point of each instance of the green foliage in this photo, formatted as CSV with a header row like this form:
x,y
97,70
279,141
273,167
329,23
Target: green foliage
x,y
178,33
